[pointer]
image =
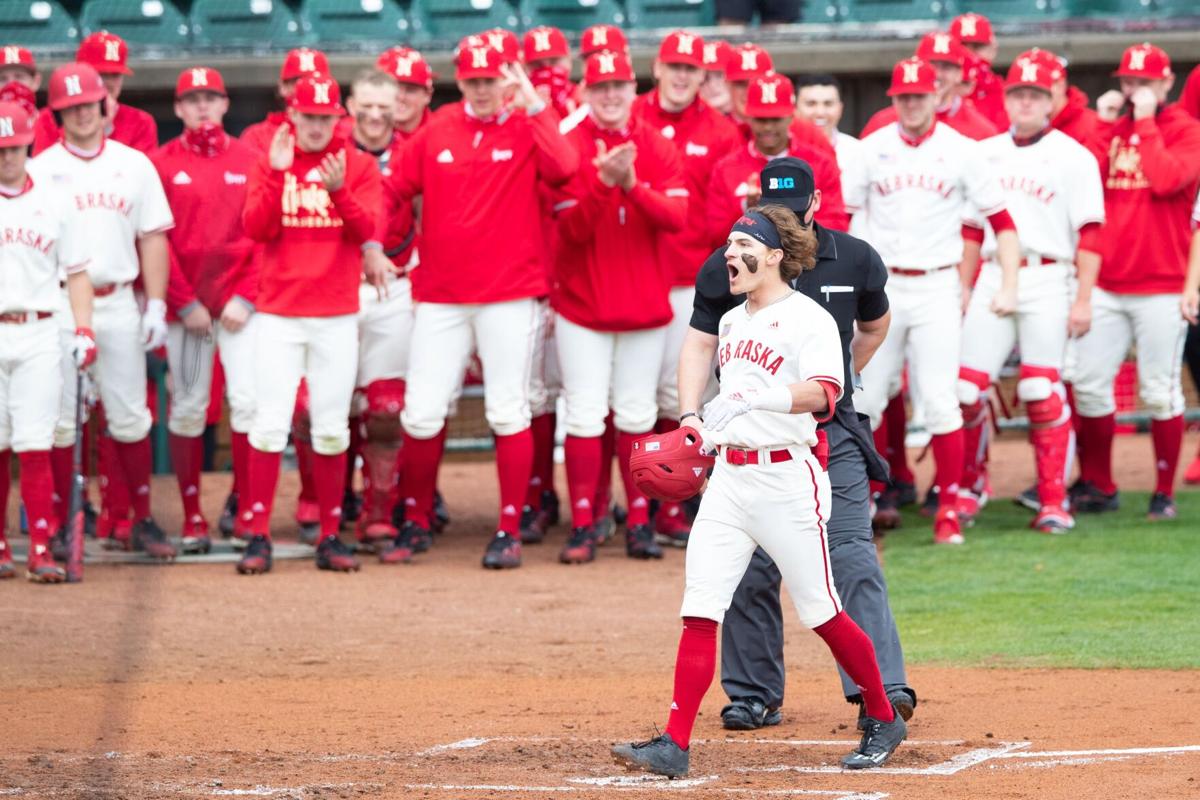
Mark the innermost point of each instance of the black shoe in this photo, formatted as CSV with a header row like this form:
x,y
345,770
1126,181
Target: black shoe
x,y
660,755
335,556
228,518
550,507
531,526
906,493
749,715
1162,507
619,514
89,519
1030,498
398,515
929,508
887,510
151,539
879,741
639,543
1086,498
580,547
441,514
351,506
603,530
903,700
59,547
257,558
420,539
503,552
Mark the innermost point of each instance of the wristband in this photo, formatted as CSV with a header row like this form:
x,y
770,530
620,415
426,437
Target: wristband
x,y
687,414
774,398
371,245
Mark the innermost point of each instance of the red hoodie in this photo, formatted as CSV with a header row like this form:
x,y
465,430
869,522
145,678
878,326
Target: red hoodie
x,y
1079,122
702,137
259,135
312,259
1189,100
1151,173
611,276
212,259
988,97
481,239
130,126
962,116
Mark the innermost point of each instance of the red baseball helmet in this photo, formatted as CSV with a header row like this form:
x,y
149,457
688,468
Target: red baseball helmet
x,y
16,125
74,85
670,466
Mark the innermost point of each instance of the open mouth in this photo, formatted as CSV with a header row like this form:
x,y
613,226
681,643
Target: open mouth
x,y
733,271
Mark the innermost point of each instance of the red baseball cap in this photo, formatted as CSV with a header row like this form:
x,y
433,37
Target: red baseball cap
x,y
544,42
406,66
16,92
681,47
1144,61
74,85
303,61
770,97
973,28
747,62
602,37
1029,72
503,41
913,76
317,94
477,62
199,79
13,55
937,46
1051,64
606,66
105,51
717,55
16,125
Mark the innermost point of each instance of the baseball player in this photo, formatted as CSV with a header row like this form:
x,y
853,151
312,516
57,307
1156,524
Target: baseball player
x,y
42,240
298,63
702,137
547,57
1071,113
124,213
1189,305
715,89
310,203
19,77
974,33
781,368
770,106
478,161
108,54
916,179
1151,170
629,191
1052,190
212,288
819,101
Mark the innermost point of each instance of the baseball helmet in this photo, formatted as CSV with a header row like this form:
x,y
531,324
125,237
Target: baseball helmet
x,y
74,85
670,466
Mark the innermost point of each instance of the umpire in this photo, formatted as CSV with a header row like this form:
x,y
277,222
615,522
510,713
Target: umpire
x,y
848,280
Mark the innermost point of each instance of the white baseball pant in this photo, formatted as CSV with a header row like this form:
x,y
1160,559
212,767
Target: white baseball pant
x,y
545,381
602,369
30,385
781,507
384,331
324,350
1040,324
681,299
190,359
444,335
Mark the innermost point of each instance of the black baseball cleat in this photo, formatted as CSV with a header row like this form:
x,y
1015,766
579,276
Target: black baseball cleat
x,y
660,755
503,552
256,559
603,529
533,528
580,547
749,715
1162,507
879,741
639,543
903,700
441,514
1030,498
550,507
906,493
152,540
351,507
335,556
1086,498
228,519
60,549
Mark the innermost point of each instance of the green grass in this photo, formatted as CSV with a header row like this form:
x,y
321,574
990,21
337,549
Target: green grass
x,y
1118,591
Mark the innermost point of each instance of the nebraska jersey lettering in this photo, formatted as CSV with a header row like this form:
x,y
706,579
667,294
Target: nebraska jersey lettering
x,y
916,195
116,196
1051,190
791,341
37,237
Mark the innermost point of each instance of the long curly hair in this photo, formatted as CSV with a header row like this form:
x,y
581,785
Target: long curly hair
x,y
799,243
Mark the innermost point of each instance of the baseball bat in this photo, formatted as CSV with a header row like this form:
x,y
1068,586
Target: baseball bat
x,y
75,512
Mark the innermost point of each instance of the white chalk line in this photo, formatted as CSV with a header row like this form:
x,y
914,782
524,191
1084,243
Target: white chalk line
x,y
479,741
952,766
1111,751
657,784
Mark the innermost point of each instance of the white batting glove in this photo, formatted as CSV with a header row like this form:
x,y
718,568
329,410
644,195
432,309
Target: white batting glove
x,y
154,325
726,407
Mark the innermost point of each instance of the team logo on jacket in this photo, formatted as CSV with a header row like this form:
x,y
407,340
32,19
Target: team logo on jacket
x,y
1125,166
234,179
445,157
307,205
693,149
501,155
181,178
668,131
313,176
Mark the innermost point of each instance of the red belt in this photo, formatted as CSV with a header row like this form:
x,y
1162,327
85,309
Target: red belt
x,y
917,273
21,317
739,457
105,291
1040,261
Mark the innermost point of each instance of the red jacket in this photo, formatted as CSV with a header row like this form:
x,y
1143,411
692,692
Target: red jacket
x,y
962,116
401,237
312,259
130,126
1079,121
1151,172
259,135
732,176
801,130
988,97
481,235
212,258
702,137
1189,99
610,273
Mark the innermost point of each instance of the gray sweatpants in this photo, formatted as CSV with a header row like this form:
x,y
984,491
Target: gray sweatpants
x,y
752,636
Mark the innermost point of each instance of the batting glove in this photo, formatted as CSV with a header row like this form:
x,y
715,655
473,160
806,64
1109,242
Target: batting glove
x,y
724,408
154,325
84,348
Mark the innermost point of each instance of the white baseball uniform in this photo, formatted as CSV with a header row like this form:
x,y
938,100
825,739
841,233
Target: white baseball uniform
x,y
782,502
545,383
117,198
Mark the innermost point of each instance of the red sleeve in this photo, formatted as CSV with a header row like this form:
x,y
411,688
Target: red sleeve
x,y
577,208
878,120
557,160
724,207
1172,169
1189,100
971,233
665,202
179,289
263,215
145,133
357,202
1090,237
832,391
1001,221
828,178
45,132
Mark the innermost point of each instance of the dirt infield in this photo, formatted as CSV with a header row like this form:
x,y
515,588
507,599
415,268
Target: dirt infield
x,y
441,680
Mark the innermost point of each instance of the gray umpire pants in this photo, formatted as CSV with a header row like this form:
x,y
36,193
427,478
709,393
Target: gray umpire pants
x,y
752,635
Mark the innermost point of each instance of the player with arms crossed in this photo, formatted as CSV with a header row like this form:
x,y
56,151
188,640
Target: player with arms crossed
x,y
780,356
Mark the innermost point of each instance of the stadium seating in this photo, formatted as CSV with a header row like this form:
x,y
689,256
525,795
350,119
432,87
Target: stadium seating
x,y
670,13
453,19
36,22
356,21
153,22
572,15
1023,10
894,10
243,22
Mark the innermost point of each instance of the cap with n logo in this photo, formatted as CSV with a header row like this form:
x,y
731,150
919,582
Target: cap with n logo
x,y
602,37
317,94
199,79
16,125
913,76
606,66
406,66
1033,73
105,51
747,63
942,47
770,97
477,62
544,42
973,28
681,47
74,85
1144,61
12,55
303,61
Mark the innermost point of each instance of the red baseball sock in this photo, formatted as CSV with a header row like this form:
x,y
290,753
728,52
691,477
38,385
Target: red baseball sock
x,y
262,476
582,454
329,475
639,506
419,478
135,461
1095,451
542,476
665,425
694,667
854,653
6,483
114,487
1167,435
514,464
239,446
948,465
187,453
895,429
37,491
608,446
